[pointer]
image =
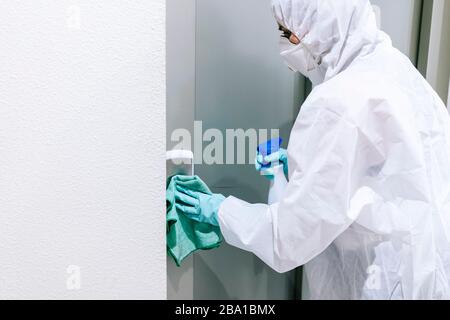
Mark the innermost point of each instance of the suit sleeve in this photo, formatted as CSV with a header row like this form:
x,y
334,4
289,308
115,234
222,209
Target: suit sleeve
x,y
327,189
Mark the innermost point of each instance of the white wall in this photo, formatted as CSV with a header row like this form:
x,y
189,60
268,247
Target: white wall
x,y
82,122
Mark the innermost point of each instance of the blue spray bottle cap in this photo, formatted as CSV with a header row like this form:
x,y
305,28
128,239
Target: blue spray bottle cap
x,y
268,148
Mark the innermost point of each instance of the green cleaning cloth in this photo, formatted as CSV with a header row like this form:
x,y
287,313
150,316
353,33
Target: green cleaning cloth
x,y
185,236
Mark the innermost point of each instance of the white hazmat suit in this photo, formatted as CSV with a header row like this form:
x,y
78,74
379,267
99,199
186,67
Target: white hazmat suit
x,y
367,207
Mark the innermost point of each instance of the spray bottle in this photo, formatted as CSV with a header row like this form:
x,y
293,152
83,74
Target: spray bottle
x,y
279,181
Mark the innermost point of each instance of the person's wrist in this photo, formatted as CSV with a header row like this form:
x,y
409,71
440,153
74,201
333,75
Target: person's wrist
x,y
220,197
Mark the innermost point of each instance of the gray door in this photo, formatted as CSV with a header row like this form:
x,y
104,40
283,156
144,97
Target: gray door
x,y
241,82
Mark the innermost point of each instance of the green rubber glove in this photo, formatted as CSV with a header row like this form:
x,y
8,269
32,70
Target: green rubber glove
x,y
198,206
279,157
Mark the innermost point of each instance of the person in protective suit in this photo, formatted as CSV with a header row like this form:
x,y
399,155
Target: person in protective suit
x,y
367,206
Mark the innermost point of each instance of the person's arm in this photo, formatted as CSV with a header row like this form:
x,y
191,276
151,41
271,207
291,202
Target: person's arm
x,y
325,194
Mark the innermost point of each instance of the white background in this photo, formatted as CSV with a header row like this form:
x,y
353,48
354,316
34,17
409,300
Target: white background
x,y
82,119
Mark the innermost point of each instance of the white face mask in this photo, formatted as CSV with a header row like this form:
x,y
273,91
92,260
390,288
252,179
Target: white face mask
x,y
300,59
